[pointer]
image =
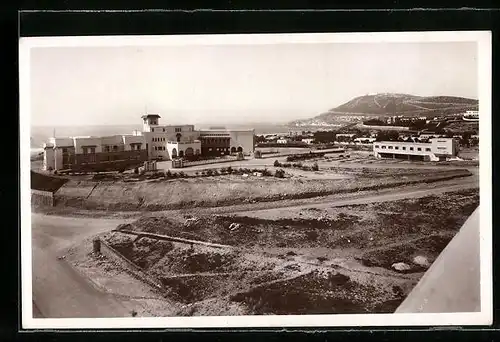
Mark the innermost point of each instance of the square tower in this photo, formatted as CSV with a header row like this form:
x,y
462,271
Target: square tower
x,y
148,121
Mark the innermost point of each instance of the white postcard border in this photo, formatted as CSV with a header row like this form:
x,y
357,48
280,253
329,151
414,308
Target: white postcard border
x,y
483,39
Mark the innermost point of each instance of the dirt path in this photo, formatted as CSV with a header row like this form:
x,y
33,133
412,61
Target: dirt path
x,y
382,196
58,289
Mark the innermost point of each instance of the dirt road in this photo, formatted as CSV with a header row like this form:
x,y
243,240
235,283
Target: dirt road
x,y
381,196
58,289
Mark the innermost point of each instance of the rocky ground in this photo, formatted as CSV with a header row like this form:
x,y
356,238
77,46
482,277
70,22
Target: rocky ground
x,y
347,259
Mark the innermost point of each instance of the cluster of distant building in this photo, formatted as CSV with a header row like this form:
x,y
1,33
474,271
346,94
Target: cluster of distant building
x,y
352,138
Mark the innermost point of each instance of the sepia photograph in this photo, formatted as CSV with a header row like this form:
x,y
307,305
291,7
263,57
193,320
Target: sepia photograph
x,y
257,180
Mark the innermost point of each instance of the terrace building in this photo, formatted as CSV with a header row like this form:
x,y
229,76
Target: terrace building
x,y
155,142
437,149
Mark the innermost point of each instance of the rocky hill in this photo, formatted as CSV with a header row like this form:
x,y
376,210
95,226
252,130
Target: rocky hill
x,y
389,104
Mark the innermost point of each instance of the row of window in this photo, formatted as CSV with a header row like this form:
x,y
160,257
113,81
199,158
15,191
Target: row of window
x,y
177,129
215,135
219,149
427,149
215,140
108,148
158,139
88,149
160,148
91,159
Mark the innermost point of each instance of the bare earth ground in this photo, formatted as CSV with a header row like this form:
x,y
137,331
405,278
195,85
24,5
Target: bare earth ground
x,y
311,251
164,194
326,260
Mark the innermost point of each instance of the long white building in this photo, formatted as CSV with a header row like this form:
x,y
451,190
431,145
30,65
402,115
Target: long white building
x,y
436,150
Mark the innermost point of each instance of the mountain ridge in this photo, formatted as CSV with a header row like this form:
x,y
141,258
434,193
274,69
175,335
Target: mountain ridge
x,y
389,104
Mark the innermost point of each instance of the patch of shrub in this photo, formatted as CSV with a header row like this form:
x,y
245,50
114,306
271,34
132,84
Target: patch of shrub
x,y
277,163
315,167
209,172
168,174
312,235
279,173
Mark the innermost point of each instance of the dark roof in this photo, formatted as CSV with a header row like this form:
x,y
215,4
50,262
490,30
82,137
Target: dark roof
x,y
46,183
151,116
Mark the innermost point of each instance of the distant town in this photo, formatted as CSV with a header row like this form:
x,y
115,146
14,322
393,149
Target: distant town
x,y
367,129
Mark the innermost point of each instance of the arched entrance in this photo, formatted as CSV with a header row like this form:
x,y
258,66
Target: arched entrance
x,y
233,149
189,152
240,149
174,153
181,153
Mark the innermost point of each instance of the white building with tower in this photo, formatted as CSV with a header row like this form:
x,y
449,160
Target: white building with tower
x,y
154,142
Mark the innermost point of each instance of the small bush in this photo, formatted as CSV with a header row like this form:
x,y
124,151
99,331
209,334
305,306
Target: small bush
x,y
168,174
312,235
266,172
196,173
216,173
315,167
209,172
182,174
229,169
287,165
277,163
279,173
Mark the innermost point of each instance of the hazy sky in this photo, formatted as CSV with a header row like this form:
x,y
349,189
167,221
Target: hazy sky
x,y
236,83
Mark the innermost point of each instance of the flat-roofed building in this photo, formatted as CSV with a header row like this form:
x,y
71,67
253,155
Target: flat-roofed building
x,y
94,153
164,142
436,149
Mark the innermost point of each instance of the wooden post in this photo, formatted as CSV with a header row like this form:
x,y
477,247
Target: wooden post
x,y
96,246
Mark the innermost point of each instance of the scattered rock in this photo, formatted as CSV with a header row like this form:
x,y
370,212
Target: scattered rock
x,y
322,259
401,266
190,221
421,261
234,226
124,226
244,175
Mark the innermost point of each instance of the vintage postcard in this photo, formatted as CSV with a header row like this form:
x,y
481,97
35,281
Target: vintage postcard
x,y
259,180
